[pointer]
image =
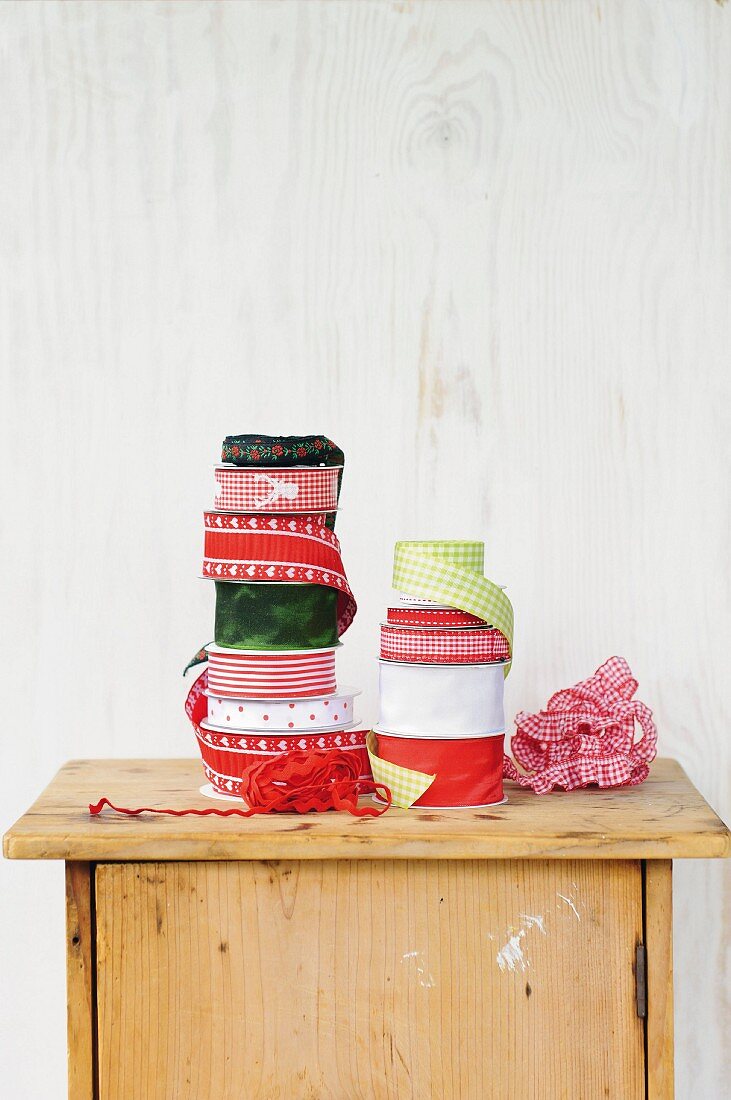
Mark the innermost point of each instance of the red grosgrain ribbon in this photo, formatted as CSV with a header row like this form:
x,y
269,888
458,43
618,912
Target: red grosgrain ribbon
x,y
467,771
301,782
470,645
297,489
586,735
291,549
420,617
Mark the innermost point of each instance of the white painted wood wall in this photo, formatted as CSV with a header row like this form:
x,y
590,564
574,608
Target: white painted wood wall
x,y
485,246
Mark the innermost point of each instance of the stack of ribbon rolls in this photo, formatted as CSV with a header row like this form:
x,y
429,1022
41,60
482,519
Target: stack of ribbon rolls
x,y
445,651
282,602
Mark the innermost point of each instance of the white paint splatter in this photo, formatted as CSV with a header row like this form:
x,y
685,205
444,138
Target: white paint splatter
x,y
510,956
423,976
570,902
533,922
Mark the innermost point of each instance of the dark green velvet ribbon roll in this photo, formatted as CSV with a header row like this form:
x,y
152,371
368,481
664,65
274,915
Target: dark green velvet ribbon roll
x,y
270,615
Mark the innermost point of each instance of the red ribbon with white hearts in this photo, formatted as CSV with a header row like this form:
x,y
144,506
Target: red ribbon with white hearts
x,y
288,549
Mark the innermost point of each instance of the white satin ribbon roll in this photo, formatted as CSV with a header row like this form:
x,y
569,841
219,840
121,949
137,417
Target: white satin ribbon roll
x,y
441,700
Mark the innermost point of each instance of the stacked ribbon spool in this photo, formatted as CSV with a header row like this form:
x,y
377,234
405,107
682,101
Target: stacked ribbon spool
x,y
445,651
282,602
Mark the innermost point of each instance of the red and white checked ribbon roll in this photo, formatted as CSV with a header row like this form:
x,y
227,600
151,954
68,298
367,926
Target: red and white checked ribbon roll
x,y
427,617
269,674
277,489
226,757
470,645
288,548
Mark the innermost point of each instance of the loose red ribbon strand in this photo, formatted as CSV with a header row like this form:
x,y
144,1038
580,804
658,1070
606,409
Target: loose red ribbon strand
x,y
301,782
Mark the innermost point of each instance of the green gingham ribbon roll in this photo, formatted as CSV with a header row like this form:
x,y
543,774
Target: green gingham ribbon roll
x,y
451,572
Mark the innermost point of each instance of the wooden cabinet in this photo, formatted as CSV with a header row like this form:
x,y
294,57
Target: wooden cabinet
x,y
514,953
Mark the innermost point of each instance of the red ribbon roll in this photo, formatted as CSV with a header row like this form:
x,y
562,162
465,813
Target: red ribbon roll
x,y
468,771
421,617
225,764
271,674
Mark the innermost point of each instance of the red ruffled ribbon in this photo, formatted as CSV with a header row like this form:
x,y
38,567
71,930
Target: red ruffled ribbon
x,y
586,735
301,782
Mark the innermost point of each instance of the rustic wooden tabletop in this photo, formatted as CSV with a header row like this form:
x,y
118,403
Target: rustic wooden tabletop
x,y
663,818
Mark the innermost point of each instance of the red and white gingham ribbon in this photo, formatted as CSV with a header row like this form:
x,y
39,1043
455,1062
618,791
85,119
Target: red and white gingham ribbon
x,y
288,548
277,489
465,646
586,735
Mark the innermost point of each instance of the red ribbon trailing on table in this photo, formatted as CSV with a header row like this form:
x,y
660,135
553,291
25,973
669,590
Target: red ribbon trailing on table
x,y
586,735
289,549
301,782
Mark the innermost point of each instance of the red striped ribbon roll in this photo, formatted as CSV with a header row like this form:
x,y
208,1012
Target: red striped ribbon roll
x,y
468,772
268,674
290,549
277,489
420,617
469,645
226,758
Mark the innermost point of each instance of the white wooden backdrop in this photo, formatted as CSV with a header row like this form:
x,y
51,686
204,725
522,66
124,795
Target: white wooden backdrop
x,y
485,246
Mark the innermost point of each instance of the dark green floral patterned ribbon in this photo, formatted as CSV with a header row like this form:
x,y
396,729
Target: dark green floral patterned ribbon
x,y
282,450
275,616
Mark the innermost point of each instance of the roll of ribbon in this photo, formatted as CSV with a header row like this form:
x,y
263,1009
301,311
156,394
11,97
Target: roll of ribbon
x,y
297,674
418,601
297,489
441,701
289,741
451,573
225,764
424,617
468,645
288,549
267,615
440,774
314,713
281,450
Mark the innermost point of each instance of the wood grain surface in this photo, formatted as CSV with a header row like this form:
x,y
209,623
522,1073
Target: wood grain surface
x,y
80,979
663,818
486,246
658,937
370,980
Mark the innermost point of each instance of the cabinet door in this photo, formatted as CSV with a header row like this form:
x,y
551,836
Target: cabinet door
x,y
369,979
